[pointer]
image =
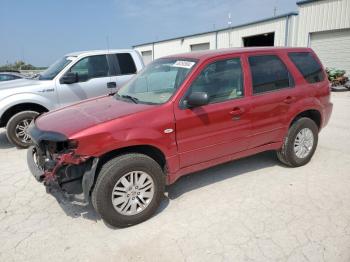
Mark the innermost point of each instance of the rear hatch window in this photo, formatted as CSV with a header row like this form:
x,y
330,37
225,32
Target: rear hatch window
x,y
307,66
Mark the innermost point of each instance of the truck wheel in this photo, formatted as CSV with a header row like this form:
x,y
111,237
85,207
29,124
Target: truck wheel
x,y
16,128
300,143
128,190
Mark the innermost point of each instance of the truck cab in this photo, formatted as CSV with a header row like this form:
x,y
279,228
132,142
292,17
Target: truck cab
x,y
74,77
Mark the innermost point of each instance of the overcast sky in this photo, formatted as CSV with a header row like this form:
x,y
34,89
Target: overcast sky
x,y
40,31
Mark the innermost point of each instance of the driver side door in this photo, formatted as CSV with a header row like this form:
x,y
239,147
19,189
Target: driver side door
x,y
222,127
93,74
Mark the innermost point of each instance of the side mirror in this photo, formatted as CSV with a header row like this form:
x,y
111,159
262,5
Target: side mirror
x,y
197,99
69,78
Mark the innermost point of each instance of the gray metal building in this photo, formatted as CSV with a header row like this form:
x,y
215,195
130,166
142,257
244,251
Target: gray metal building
x,y
323,25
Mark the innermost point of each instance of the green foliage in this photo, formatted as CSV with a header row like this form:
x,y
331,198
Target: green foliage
x,y
19,65
334,73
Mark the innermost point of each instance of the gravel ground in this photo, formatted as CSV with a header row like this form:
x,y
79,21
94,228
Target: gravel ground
x,y
253,209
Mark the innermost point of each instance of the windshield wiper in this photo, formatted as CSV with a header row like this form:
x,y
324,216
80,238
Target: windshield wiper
x,y
133,99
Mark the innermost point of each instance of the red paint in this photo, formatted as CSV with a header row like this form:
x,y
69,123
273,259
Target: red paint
x,y
203,136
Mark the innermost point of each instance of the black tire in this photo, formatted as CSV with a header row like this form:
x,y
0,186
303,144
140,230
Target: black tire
x,y
33,167
286,154
11,127
110,173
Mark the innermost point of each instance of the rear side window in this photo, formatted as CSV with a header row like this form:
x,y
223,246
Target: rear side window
x,y
307,66
269,73
126,64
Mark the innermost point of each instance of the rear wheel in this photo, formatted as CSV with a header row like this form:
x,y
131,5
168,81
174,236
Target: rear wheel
x,y
300,143
16,128
128,190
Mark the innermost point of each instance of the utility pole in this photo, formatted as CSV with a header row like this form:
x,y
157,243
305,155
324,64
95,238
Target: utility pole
x,y
229,23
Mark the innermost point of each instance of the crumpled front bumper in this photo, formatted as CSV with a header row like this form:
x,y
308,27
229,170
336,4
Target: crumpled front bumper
x,y
62,171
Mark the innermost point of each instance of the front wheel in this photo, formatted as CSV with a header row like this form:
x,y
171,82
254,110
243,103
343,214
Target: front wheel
x,y
300,143
16,128
128,190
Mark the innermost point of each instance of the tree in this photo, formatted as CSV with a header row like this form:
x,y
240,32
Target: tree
x,y
19,65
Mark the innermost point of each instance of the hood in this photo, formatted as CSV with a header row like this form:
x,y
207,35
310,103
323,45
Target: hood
x,y
18,83
73,119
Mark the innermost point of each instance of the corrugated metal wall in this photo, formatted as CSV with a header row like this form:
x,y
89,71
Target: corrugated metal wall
x,y
182,45
236,35
227,38
313,17
322,16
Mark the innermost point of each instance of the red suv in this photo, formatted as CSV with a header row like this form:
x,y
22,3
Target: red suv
x,y
181,114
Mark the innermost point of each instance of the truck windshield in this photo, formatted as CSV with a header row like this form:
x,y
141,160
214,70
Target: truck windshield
x,y
55,68
157,82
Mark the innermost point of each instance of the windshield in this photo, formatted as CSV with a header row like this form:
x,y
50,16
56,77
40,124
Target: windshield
x,y
55,68
157,82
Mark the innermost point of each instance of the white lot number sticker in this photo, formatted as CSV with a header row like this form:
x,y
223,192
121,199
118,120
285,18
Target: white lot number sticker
x,y
184,64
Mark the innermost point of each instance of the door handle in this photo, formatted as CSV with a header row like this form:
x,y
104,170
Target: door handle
x,y
236,113
111,85
289,99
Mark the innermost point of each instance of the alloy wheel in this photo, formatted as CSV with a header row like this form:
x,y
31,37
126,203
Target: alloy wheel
x,y
21,131
132,193
303,143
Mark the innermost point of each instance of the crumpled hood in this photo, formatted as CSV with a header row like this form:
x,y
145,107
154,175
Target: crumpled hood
x,y
73,119
19,83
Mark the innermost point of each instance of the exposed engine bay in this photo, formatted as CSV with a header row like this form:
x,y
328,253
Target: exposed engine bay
x,y
56,165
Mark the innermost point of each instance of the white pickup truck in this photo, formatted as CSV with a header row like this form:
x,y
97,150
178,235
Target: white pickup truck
x,y
74,77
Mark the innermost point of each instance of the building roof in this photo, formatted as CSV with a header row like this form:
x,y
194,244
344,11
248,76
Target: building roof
x,y
200,55
307,1
223,29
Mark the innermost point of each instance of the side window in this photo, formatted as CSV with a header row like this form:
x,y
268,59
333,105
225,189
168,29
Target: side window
x,y
126,64
307,66
7,77
91,67
269,73
221,80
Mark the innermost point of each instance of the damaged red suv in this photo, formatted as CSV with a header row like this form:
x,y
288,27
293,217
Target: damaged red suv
x,y
181,114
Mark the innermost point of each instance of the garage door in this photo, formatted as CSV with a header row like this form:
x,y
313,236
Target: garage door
x,y
333,48
200,47
147,57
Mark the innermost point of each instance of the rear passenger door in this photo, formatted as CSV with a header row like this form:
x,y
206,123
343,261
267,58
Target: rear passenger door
x,y
273,93
123,68
221,127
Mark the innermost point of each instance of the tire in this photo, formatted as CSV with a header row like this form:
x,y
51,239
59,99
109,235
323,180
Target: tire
x,y
287,154
108,178
12,131
33,167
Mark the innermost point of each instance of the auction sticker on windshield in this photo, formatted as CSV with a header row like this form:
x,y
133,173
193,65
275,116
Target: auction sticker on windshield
x,y
184,64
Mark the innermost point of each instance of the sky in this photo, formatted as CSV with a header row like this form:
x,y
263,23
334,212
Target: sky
x,y
41,31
